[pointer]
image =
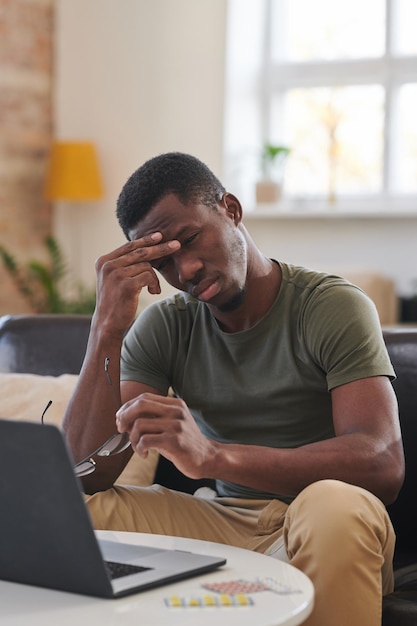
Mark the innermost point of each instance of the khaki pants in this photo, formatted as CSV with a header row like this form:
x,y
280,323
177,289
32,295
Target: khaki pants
x,y
338,534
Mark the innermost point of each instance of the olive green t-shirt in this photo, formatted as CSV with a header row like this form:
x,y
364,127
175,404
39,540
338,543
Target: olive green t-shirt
x,y
268,385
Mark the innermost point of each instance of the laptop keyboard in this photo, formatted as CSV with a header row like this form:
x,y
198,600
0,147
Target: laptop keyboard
x,y
117,570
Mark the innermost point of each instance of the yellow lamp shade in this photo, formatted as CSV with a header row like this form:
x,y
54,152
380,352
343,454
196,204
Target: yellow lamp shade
x,y
73,172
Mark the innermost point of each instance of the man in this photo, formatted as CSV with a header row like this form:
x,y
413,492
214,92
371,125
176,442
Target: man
x,y
281,387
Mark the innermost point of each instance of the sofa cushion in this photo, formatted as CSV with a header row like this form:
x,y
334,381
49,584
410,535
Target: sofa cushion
x,y
24,397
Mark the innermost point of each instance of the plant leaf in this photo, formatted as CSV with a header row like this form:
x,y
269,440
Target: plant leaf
x,y
41,283
59,268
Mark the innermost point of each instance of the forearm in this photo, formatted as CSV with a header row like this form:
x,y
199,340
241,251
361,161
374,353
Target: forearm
x,y
90,416
354,458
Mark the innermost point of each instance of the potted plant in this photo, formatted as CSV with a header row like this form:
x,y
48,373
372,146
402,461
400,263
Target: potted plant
x,y
273,159
42,284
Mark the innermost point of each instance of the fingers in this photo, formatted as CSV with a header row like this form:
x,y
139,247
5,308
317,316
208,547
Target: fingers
x,y
133,261
148,409
147,248
152,421
166,425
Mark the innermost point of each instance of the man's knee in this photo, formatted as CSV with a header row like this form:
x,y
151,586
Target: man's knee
x,y
333,511
334,496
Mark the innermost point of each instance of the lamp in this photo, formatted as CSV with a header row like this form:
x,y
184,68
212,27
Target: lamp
x,y
73,172
72,176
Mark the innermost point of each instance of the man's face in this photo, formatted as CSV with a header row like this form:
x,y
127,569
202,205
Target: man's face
x,y
211,264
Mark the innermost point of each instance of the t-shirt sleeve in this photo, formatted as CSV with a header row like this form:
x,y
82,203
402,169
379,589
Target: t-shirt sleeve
x,y
342,328
146,350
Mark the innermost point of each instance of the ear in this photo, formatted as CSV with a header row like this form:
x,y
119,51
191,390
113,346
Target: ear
x,y
232,207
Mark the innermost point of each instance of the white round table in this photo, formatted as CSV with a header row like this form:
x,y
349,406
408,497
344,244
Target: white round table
x,y
289,603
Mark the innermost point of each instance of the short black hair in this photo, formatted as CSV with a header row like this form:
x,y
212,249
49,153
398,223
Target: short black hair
x,y
174,172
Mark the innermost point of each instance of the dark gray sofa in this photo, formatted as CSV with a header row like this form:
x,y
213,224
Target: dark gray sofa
x,y
55,344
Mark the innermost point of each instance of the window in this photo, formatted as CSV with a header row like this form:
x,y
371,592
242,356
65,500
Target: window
x,y
336,82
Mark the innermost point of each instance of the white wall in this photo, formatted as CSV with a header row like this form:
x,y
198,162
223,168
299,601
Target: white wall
x,y
137,77
140,77
381,244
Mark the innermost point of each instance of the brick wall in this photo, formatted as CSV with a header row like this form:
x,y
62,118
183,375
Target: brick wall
x,y
26,30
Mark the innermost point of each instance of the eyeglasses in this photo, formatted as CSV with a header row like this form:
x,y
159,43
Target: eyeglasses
x,y
114,445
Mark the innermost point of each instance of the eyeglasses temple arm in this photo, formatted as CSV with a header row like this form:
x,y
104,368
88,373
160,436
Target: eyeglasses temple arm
x,y
44,411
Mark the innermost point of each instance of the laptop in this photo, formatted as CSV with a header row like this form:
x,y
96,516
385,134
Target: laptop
x,y
46,535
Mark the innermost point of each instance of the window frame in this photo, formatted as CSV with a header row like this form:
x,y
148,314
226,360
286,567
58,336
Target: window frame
x,y
391,71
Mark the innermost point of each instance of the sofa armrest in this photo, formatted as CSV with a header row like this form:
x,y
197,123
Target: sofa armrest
x,y
49,345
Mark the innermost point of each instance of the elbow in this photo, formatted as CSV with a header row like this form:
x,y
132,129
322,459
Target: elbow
x,y
393,489
107,471
389,468
93,485
392,482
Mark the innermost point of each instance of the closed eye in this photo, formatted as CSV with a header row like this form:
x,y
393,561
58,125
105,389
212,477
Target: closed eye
x,y
189,240
159,265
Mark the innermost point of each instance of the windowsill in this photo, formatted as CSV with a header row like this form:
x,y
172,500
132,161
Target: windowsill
x,y
305,208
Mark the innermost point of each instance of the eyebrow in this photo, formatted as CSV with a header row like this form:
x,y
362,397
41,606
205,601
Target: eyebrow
x,y
177,237
179,234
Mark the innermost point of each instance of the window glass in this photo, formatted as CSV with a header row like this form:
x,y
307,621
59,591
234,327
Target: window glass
x,y
336,82
337,140
327,29
405,20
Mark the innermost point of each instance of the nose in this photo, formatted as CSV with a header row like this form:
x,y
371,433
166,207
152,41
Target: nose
x,y
187,267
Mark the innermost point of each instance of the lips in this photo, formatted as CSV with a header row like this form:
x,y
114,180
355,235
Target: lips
x,y
206,291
